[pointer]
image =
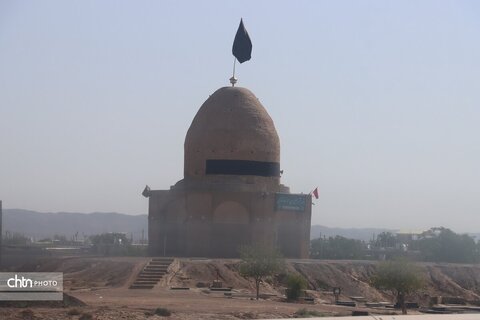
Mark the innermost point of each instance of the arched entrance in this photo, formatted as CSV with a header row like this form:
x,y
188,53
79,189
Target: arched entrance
x,y
230,229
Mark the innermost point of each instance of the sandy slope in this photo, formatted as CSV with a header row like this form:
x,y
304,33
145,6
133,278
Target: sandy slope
x,y
102,283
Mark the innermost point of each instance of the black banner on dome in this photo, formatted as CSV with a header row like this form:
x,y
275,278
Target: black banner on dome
x,y
243,168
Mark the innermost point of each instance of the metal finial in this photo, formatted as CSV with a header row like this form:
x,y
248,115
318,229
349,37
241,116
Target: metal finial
x,y
233,80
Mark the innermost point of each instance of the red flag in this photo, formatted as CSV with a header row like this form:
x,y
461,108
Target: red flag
x,y
315,193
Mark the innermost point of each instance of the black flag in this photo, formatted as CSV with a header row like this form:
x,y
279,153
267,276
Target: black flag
x,y
242,45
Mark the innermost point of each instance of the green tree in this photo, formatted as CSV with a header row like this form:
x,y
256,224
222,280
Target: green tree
x,y
113,243
400,277
296,284
15,239
444,245
60,239
337,248
259,262
385,240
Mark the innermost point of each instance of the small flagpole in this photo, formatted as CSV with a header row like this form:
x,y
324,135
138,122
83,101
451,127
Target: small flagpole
x,y
233,80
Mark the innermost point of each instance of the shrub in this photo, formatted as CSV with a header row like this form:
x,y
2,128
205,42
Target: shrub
x,y
27,314
296,284
73,312
304,313
86,316
164,312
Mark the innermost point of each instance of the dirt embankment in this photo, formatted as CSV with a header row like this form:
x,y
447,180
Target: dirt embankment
x,y
98,287
202,273
453,280
89,272
353,277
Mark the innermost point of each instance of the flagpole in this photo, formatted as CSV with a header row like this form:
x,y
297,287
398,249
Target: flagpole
x,y
234,63
233,80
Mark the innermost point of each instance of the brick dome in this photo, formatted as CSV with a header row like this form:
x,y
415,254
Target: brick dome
x,y
232,135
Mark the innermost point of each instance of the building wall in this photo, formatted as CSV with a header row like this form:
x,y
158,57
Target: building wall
x,y
215,224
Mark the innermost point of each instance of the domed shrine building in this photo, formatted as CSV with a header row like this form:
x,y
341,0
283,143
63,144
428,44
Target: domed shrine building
x,y
231,193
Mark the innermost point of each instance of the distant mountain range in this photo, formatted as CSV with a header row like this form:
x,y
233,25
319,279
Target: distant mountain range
x,y
40,225
364,234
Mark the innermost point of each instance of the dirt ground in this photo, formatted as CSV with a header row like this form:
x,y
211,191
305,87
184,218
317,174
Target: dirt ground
x,y
102,285
122,303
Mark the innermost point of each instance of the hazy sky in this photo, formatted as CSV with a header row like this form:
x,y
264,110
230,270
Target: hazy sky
x,y
376,102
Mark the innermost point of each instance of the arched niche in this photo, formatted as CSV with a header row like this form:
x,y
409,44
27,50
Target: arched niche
x,y
231,212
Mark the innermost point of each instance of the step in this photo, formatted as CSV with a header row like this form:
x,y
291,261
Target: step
x,y
156,267
149,276
163,263
153,272
143,279
143,286
163,259
148,279
145,282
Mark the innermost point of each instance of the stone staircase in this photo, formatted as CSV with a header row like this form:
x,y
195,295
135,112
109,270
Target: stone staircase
x,y
151,273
